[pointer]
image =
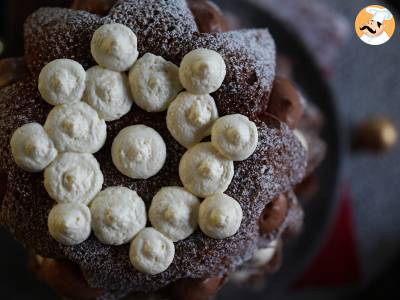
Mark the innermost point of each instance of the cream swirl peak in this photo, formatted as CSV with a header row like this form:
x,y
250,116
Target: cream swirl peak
x,y
174,212
202,71
69,223
118,214
114,46
235,136
76,128
32,148
190,118
73,178
154,82
108,93
138,152
220,216
204,171
62,81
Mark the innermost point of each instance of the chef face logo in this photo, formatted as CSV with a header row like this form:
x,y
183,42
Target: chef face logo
x,y
375,25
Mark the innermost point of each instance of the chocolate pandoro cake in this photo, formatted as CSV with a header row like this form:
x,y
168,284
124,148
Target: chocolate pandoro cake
x,y
249,207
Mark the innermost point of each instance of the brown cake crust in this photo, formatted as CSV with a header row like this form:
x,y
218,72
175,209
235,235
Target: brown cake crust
x,y
12,70
165,28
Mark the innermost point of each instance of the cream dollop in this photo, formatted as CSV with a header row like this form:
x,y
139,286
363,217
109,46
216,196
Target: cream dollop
x,y
32,148
108,93
73,178
205,172
202,71
76,128
154,82
118,214
263,256
174,212
190,118
139,152
220,216
69,223
114,46
62,81
151,252
235,137
300,136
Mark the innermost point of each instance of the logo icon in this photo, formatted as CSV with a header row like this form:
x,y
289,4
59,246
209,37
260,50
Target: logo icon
x,y
375,25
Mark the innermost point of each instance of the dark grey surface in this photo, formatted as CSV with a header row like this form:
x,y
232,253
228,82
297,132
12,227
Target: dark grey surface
x,y
366,80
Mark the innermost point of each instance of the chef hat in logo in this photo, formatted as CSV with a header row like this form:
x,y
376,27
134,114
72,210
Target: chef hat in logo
x,y
379,14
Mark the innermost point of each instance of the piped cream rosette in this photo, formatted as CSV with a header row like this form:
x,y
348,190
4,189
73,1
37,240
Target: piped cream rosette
x,y
190,118
62,81
76,128
32,148
73,178
114,46
118,214
204,171
235,137
154,82
174,212
139,152
220,216
69,223
151,252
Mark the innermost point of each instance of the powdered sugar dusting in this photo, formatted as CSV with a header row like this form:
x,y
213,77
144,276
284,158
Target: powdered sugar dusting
x,y
164,28
52,33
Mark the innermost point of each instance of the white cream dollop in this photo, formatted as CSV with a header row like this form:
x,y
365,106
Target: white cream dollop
x,y
174,212
202,71
235,137
69,223
190,118
114,46
205,172
62,81
154,82
108,93
263,256
220,216
32,148
139,152
300,136
151,252
73,178
118,214
76,128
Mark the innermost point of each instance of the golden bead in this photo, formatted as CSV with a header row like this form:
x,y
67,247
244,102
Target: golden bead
x,y
377,134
